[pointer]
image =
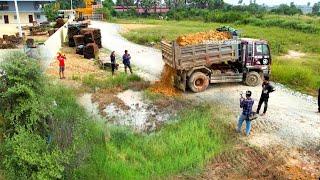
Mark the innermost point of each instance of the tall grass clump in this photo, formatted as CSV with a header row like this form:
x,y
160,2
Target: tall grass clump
x,y
121,80
296,75
183,146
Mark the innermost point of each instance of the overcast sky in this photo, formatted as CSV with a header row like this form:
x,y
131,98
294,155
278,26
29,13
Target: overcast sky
x,y
275,2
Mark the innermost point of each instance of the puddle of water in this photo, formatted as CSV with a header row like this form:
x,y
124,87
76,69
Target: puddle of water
x,y
140,115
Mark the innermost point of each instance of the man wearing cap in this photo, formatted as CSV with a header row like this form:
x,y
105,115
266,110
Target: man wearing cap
x,y
267,88
246,105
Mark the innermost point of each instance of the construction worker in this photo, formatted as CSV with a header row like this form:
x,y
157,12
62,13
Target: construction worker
x,y
246,105
61,58
113,62
266,90
126,61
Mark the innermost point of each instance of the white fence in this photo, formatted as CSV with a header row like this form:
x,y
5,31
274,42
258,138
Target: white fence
x,y
47,52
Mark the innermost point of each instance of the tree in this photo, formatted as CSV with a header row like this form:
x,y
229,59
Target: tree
x,y
316,8
240,2
287,10
51,11
308,4
147,5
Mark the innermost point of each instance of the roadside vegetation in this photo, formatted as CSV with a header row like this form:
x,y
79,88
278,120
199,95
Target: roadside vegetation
x,y
169,151
46,134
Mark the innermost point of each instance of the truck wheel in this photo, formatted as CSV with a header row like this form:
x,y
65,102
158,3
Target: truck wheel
x,y
253,79
198,82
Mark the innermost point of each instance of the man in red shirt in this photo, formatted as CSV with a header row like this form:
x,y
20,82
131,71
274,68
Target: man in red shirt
x,y
61,58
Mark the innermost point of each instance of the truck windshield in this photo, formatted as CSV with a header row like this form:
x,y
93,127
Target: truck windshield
x,y
262,49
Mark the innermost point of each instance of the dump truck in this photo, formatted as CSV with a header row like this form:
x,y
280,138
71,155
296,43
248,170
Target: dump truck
x,y
234,60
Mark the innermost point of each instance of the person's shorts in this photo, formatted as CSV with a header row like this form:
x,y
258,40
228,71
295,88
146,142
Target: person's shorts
x,y
61,68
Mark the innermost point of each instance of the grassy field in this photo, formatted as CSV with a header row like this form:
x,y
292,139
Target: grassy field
x,y
302,74
172,150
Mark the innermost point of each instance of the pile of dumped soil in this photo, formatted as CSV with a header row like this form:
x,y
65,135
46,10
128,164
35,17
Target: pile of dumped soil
x,y
202,37
245,162
165,85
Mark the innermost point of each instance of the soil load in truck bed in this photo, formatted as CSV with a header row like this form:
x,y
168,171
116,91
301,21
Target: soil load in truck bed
x,y
202,37
184,58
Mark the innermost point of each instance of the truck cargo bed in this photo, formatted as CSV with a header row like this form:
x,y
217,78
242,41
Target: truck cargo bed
x,y
184,58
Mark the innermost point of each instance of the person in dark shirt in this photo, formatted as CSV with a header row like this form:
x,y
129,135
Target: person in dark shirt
x,y
126,61
266,90
113,62
246,105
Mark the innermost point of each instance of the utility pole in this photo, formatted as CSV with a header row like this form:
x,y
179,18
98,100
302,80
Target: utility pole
x,y
18,17
71,5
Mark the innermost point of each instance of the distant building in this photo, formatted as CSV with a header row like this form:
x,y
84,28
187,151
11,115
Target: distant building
x,y
29,11
140,10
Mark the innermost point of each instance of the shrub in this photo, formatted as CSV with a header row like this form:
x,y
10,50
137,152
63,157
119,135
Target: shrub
x,y
22,94
27,155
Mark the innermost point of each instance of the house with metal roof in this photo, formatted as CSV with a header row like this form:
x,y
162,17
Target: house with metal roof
x,y
29,11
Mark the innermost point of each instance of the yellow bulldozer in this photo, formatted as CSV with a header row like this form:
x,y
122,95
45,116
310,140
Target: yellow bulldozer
x,y
89,11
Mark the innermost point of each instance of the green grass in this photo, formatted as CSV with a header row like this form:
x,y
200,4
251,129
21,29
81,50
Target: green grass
x,y
121,80
300,74
184,146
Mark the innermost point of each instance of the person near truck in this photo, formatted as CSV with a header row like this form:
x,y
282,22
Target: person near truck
x,y
61,58
246,105
126,61
267,88
113,62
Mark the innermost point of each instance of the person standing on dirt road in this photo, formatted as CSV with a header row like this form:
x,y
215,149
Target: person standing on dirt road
x,y
126,61
113,62
246,105
267,88
61,58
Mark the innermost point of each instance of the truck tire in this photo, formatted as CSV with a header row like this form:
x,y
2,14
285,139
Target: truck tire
x,y
253,79
198,82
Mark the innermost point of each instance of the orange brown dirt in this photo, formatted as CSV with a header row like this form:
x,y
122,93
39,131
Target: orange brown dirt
x,y
165,85
75,66
202,37
244,162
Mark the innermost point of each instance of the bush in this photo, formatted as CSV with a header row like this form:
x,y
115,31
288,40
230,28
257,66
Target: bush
x,y
27,155
22,94
46,131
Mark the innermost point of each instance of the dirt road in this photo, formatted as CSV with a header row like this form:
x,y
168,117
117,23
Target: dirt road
x,y
147,59
291,121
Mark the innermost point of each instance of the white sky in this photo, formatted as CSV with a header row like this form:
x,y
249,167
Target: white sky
x,y
275,2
